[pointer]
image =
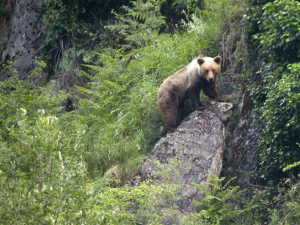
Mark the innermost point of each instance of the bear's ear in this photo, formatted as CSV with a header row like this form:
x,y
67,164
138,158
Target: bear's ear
x,y
200,60
218,59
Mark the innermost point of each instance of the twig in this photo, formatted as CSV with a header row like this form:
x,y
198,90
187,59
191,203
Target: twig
x,y
265,187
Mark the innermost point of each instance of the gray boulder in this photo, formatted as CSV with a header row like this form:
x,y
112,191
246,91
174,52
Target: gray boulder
x,y
192,153
27,31
241,146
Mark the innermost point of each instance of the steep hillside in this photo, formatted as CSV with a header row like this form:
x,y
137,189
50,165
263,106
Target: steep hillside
x,y
79,115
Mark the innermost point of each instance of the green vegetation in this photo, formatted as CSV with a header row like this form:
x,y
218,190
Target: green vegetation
x,y
281,111
226,204
279,30
55,165
277,96
218,205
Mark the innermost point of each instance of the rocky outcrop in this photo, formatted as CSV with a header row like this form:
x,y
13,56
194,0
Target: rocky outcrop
x,y
27,30
192,153
241,147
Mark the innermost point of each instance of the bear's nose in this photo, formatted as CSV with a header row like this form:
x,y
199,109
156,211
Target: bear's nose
x,y
211,80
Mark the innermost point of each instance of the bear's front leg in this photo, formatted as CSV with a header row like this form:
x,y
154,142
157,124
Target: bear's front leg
x,y
201,107
211,92
195,99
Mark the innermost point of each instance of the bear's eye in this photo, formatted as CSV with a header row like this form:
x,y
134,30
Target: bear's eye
x,y
206,71
213,71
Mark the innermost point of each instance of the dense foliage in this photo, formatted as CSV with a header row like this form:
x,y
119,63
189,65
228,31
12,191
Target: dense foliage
x,y
279,30
282,123
59,167
277,96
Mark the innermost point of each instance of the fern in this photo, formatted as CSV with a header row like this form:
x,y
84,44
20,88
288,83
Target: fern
x,y
220,204
138,24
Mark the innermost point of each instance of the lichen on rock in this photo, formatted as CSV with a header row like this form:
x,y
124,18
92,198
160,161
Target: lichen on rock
x,y
27,32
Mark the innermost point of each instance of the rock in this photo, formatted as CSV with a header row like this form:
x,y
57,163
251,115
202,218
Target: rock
x,y
241,146
27,30
191,154
246,104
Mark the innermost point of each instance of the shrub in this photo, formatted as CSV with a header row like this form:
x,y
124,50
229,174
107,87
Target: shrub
x,y
281,112
16,94
279,34
287,202
220,204
41,174
127,205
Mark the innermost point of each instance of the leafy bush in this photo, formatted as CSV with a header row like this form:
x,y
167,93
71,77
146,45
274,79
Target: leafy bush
x,y
127,205
281,112
279,34
16,94
225,204
40,167
41,173
43,180
287,210
289,200
275,31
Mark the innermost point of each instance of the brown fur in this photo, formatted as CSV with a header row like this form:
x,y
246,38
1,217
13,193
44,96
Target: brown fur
x,y
187,83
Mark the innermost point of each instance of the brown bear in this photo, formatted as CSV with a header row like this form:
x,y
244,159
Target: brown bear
x,y
186,83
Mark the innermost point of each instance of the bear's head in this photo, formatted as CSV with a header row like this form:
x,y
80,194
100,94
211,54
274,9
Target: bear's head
x,y
209,67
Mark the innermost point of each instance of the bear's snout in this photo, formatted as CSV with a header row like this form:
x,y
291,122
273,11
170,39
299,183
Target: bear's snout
x,y
211,80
